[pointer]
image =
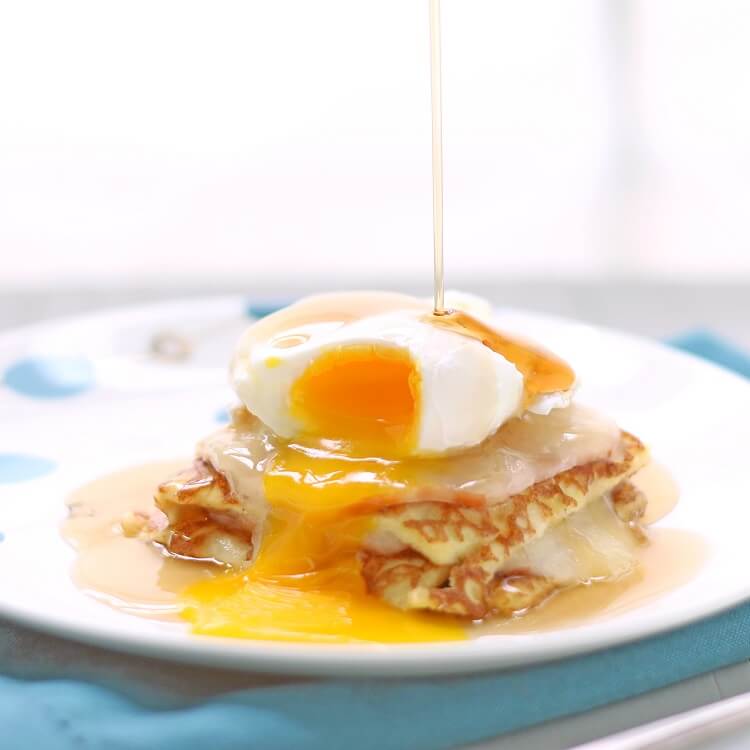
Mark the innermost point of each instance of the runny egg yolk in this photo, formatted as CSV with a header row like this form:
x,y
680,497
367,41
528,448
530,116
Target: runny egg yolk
x,y
305,585
366,395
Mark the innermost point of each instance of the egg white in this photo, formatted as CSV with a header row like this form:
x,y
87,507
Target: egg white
x,y
467,390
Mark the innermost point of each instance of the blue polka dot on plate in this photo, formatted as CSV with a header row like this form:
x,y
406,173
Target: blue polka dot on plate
x,y
50,377
2,537
19,467
222,415
262,309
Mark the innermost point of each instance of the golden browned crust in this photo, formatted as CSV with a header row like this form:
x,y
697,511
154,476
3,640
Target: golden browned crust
x,y
197,482
203,518
472,587
393,578
446,533
439,530
527,515
517,591
629,502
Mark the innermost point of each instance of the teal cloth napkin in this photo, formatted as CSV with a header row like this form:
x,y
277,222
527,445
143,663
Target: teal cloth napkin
x,y
371,715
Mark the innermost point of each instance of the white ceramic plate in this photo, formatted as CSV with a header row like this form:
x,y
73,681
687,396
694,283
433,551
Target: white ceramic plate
x,y
81,399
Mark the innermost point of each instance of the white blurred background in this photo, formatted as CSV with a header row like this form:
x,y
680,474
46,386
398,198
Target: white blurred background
x,y
266,144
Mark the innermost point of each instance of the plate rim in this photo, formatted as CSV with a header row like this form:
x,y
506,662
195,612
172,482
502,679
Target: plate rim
x,y
378,660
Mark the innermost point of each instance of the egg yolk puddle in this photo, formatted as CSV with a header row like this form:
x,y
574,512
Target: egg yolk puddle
x,y
305,583
543,372
367,395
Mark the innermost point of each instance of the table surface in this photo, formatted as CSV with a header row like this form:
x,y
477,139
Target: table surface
x,y
652,309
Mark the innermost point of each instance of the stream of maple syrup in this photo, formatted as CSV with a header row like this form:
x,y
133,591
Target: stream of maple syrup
x,y
436,98
543,372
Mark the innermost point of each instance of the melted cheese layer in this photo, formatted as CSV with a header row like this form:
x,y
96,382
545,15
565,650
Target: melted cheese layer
x,y
325,476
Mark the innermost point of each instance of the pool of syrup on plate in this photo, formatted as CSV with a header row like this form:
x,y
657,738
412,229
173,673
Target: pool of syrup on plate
x,y
140,579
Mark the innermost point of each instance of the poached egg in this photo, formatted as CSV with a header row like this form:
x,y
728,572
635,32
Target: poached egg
x,y
379,374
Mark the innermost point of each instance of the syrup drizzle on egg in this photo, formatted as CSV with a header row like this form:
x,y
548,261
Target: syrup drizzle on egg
x,y
543,372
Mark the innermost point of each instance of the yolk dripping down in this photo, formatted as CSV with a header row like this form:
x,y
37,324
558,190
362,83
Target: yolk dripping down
x,y
305,583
